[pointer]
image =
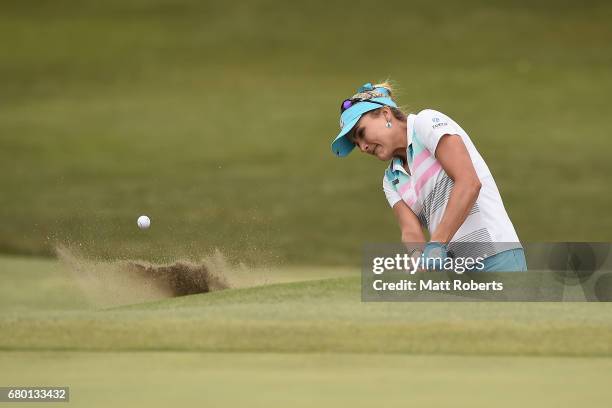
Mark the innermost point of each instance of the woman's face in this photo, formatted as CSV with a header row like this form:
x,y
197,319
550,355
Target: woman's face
x,y
372,136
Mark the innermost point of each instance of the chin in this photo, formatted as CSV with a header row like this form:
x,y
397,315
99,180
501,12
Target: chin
x,y
383,156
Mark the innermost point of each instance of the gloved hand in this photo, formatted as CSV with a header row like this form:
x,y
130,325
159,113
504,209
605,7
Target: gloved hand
x,y
434,256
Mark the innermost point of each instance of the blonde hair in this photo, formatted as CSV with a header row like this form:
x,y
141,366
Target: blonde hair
x,y
398,113
388,85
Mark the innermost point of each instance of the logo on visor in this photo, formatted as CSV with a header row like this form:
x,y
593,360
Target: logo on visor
x,y
341,123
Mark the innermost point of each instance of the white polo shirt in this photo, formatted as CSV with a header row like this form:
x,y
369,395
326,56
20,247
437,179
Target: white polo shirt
x,y
428,190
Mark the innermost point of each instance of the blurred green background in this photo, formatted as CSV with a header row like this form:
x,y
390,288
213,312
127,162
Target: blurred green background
x,y
215,118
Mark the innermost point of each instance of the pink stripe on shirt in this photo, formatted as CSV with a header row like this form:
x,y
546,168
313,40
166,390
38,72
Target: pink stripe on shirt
x,y
429,173
402,190
420,158
407,193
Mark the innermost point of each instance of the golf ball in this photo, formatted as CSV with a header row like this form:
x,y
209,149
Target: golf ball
x,y
144,222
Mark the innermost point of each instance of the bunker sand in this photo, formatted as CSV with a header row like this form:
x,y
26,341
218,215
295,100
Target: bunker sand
x,y
114,283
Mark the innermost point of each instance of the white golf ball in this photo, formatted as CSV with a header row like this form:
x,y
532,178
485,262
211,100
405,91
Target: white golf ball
x,y
144,222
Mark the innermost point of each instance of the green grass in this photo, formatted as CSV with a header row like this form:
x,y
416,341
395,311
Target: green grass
x,y
215,119
309,316
306,380
297,344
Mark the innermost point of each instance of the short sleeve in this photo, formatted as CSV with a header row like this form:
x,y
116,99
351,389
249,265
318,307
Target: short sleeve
x,y
392,196
431,125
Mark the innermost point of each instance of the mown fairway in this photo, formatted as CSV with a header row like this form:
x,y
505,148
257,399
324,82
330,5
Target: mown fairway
x,y
43,309
305,380
297,344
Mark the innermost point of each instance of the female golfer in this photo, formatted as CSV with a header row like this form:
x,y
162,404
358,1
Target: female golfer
x,y
435,179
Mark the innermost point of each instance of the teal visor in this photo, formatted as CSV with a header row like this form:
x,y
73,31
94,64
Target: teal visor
x,y
342,146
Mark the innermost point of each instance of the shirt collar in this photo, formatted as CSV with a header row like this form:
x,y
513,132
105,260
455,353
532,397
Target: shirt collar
x,y
396,163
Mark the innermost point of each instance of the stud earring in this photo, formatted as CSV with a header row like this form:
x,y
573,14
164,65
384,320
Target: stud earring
x,y
388,125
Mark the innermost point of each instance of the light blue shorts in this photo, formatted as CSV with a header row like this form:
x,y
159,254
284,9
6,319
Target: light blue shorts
x,y
512,260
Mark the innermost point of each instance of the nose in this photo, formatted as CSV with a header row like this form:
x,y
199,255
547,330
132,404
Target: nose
x,y
363,146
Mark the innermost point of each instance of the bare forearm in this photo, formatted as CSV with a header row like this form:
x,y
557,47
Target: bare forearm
x,y
461,200
413,237
409,224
